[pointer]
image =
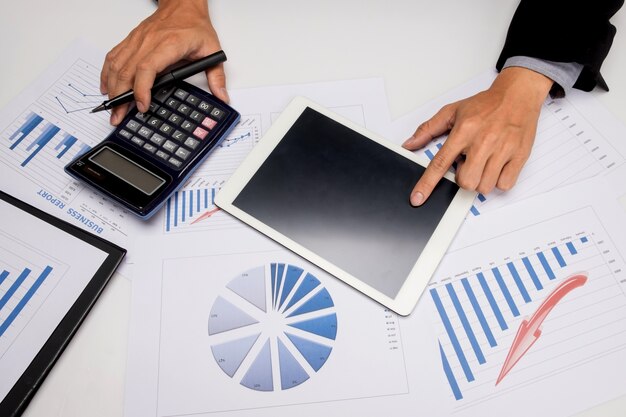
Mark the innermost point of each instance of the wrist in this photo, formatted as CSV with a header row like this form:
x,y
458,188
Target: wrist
x,y
534,87
201,6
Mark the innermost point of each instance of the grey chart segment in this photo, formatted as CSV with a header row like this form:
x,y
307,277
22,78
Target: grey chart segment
x,y
273,328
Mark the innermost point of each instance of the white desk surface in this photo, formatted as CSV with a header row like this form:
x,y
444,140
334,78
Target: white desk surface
x,y
421,49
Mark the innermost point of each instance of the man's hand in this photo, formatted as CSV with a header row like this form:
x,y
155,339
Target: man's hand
x,y
491,134
176,31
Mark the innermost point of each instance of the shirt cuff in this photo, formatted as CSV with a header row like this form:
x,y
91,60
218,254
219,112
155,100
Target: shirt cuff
x,y
564,74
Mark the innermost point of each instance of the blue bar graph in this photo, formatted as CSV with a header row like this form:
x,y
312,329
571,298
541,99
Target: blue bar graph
x,y
188,206
48,133
475,312
66,144
32,121
429,154
25,299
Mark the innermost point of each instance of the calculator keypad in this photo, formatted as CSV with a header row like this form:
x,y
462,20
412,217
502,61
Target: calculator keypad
x,y
175,126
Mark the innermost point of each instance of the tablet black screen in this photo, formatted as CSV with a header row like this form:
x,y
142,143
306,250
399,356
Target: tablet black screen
x,y
345,198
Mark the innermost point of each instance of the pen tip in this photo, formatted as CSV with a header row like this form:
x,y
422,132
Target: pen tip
x,y
99,108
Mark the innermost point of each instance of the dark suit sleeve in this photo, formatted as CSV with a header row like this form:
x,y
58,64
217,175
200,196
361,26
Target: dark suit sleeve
x,y
564,31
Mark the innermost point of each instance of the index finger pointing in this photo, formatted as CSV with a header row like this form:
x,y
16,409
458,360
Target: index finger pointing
x,y
437,168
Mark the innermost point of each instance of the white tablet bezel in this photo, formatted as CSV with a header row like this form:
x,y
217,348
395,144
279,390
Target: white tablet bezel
x,y
426,264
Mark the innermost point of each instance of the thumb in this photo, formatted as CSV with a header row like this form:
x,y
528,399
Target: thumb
x,y
217,82
437,125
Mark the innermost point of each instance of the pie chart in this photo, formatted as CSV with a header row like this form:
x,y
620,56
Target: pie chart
x,y
273,328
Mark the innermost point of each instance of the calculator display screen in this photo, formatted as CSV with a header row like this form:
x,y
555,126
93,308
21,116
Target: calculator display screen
x,y
127,170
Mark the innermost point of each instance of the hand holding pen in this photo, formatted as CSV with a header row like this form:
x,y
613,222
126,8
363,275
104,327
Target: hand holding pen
x,y
176,31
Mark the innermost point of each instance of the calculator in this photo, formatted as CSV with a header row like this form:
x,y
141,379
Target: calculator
x,y
150,155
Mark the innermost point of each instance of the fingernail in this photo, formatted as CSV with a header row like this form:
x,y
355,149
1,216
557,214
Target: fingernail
x,y
417,199
225,94
409,140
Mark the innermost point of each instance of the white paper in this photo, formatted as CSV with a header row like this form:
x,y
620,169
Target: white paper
x,y
47,126
521,253
43,271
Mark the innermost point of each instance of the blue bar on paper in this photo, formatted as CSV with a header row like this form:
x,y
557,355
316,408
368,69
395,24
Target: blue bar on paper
x,y
7,295
199,200
3,276
448,371
83,149
481,198
22,303
558,256
532,273
279,281
518,282
465,322
190,203
41,142
475,211
273,277
492,301
67,144
452,335
505,291
546,265
31,123
571,248
168,213
175,208
429,154
479,312
212,195
583,239
183,207
439,145
206,198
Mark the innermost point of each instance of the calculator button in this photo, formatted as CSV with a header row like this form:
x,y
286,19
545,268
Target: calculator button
x,y
142,117
179,136
170,146
137,141
182,153
133,125
175,162
154,122
184,109
172,102
209,123
163,155
163,93
188,126
153,107
145,132
205,107
197,116
181,94
167,129
163,112
125,134
191,143
149,148
200,133
174,118
193,100
157,139
217,113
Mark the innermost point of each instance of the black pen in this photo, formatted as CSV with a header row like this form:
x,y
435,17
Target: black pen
x,y
174,75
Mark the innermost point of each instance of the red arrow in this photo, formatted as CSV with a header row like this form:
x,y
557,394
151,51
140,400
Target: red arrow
x,y
529,330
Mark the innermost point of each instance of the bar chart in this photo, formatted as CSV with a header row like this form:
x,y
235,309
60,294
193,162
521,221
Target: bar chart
x,y
25,283
480,308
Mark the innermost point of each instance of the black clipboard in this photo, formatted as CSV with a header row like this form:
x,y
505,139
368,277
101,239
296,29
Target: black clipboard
x,y
16,400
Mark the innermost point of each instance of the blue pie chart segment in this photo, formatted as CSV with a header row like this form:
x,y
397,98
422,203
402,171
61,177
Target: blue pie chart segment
x,y
325,326
291,372
259,376
254,340
315,354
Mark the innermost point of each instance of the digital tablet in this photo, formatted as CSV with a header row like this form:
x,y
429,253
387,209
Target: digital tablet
x,y
338,195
